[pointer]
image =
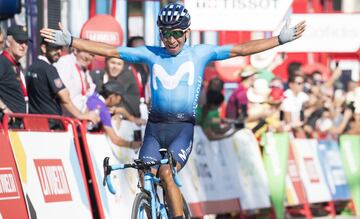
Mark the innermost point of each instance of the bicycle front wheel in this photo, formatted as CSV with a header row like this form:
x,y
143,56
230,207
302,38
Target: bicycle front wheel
x,y
141,207
187,214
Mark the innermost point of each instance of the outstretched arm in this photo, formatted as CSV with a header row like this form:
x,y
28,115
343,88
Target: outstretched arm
x,y
63,37
254,46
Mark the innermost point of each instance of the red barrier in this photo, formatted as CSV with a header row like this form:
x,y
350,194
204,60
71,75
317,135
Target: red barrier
x,y
40,123
12,201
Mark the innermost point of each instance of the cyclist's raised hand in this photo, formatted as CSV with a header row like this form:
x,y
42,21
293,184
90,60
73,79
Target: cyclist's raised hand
x,y
60,37
289,34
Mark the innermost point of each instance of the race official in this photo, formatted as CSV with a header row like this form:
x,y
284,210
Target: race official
x,y
13,93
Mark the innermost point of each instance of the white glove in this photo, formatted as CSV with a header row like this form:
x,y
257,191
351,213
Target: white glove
x,y
62,37
287,34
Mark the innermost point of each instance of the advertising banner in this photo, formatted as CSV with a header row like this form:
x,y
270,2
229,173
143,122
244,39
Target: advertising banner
x,y
295,191
275,159
210,168
124,181
332,166
50,174
254,191
12,203
326,33
310,170
261,15
350,154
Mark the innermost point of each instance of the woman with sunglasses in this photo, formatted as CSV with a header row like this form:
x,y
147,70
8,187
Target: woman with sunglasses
x,y
176,72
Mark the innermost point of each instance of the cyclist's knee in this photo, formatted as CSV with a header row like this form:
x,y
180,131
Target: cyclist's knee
x,y
165,174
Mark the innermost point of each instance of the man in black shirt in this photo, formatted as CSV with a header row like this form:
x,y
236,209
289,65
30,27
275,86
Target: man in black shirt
x,y
46,90
13,94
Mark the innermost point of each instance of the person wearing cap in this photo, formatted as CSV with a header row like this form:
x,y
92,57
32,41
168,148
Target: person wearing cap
x,y
237,105
176,74
110,95
13,93
47,93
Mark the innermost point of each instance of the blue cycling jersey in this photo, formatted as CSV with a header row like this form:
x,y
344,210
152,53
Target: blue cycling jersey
x,y
175,81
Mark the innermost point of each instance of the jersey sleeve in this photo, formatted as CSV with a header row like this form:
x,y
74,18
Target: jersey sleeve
x,y
56,84
214,52
134,54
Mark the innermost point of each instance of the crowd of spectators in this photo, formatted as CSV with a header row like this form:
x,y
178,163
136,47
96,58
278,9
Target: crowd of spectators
x,y
308,105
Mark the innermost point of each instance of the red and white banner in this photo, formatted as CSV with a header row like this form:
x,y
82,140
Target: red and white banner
x,y
50,174
259,15
305,151
12,202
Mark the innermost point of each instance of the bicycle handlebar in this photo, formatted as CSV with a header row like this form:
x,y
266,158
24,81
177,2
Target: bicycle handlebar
x,y
139,165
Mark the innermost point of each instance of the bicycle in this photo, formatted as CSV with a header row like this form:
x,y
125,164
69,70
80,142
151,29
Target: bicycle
x,y
147,203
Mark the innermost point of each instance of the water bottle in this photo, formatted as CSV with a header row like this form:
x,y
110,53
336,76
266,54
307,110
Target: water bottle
x,y
144,114
90,125
143,109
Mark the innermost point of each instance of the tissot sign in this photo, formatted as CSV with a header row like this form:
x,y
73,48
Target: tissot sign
x,y
244,15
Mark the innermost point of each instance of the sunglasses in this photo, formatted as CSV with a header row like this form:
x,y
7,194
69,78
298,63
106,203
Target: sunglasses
x,y
299,83
172,33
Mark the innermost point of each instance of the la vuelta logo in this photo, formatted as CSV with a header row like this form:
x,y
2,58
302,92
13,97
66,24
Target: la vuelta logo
x,y
53,180
8,186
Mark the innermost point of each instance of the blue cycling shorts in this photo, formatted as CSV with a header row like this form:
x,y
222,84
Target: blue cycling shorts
x,y
176,137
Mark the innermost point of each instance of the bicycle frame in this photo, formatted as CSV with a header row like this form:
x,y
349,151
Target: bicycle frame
x,y
149,182
156,206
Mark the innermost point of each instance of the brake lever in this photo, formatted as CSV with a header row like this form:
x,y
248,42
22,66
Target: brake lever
x,y
107,169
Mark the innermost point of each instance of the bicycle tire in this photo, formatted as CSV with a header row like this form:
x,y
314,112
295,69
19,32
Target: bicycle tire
x,y
187,213
141,206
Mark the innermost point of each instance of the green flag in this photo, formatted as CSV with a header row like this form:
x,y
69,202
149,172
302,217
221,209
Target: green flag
x,y
275,161
350,153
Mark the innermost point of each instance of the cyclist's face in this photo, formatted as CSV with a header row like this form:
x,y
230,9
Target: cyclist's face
x,y
174,39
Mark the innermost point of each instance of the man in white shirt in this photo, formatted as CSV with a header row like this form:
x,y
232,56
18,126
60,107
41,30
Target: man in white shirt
x,y
73,71
294,101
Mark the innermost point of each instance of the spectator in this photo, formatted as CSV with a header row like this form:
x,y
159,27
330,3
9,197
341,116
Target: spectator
x,y
13,94
258,107
238,102
74,72
117,70
294,101
277,83
2,40
139,70
208,116
110,96
46,90
294,68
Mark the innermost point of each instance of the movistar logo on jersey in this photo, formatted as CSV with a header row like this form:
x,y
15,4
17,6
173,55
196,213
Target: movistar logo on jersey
x,y
170,82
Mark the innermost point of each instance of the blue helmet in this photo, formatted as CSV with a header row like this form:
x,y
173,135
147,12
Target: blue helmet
x,y
173,16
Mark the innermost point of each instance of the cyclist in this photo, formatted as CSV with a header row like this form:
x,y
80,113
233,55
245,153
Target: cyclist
x,y
176,72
